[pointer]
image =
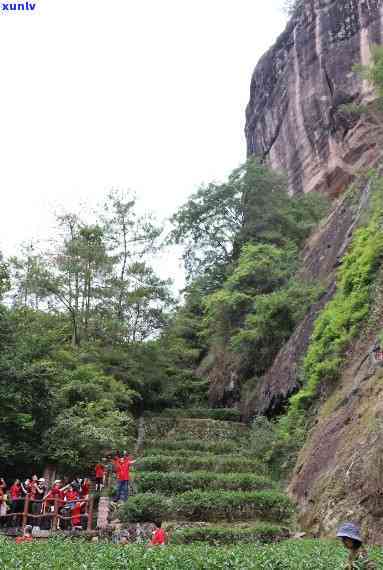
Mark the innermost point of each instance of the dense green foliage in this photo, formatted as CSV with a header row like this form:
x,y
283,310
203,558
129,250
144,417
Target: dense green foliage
x,y
78,353
340,321
187,446
208,506
223,414
216,535
242,241
56,406
59,554
91,335
195,462
179,482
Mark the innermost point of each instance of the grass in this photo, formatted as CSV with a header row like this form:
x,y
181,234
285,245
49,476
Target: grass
x,y
69,555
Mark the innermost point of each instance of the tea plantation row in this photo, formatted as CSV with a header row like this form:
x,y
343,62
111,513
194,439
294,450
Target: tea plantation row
x,y
75,555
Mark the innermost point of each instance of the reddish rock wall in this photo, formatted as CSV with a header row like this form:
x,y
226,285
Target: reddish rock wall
x,y
295,117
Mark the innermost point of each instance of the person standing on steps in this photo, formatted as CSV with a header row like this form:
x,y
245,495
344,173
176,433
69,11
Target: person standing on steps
x,y
100,471
122,465
358,559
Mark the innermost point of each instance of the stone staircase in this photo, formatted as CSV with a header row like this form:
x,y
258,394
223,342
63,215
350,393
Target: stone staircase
x,y
200,476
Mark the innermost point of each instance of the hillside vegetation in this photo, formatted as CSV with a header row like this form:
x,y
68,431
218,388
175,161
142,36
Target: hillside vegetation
x,y
91,336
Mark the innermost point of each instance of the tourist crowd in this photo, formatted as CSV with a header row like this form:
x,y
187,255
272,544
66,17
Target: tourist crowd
x,y
66,497
70,497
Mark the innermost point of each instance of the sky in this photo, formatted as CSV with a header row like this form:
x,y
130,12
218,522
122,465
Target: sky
x,y
146,95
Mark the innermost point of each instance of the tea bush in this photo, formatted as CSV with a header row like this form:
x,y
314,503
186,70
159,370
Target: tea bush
x,y
233,505
66,554
215,535
175,482
222,414
208,506
146,507
217,464
185,446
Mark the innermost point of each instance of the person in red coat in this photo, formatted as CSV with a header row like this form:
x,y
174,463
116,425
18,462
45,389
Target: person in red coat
x,y
85,489
100,471
76,515
16,502
159,536
71,497
122,466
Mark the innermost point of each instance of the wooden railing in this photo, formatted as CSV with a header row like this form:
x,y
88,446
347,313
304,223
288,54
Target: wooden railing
x,y
55,515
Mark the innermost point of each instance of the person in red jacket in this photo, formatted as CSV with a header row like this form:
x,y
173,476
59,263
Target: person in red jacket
x,y
54,493
16,504
159,536
100,471
71,497
76,515
85,489
122,465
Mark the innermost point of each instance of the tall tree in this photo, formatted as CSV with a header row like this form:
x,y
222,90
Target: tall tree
x,y
71,277
130,238
252,206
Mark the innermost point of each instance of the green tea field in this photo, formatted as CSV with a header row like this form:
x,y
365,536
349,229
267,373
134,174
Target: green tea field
x,y
59,554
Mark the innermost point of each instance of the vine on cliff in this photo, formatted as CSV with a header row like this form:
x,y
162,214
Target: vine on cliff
x,y
341,320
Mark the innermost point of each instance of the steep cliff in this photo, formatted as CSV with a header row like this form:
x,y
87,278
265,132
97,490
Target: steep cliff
x,y
321,258
296,117
297,121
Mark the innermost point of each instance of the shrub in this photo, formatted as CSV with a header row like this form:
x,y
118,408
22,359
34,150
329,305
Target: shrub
x,y
185,446
214,463
208,506
262,438
222,414
215,535
175,482
147,507
233,505
270,324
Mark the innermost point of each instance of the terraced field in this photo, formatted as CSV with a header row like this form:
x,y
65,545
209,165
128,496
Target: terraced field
x,y
201,478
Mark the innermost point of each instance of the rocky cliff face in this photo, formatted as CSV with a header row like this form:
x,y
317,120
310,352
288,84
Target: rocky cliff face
x,y
320,261
296,120
296,117
339,474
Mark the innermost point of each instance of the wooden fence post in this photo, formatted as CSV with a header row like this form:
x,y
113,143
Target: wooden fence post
x,y
90,513
25,511
56,514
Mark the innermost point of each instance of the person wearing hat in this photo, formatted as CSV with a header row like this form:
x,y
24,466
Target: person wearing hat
x,y
350,535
